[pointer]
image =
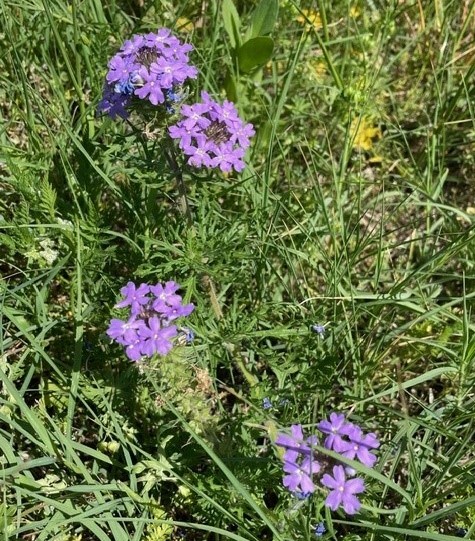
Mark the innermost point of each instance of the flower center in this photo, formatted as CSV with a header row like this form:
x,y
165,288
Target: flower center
x,y
217,132
146,56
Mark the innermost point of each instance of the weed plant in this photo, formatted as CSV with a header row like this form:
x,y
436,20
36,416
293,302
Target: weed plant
x,y
333,274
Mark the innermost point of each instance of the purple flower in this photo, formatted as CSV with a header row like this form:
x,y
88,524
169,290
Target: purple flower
x,y
212,134
146,67
226,158
296,443
194,115
149,331
134,350
299,478
151,87
132,46
343,491
113,104
179,311
166,296
155,338
359,446
299,464
318,328
120,68
134,297
124,332
335,430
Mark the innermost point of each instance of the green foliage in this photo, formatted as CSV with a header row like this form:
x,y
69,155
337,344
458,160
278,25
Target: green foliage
x,y
355,211
254,52
263,18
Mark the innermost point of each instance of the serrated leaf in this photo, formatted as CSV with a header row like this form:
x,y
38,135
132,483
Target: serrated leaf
x,y
232,23
254,53
263,18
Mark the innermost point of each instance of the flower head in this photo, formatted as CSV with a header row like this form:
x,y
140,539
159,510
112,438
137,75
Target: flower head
x,y
299,463
135,297
296,444
212,134
149,331
318,328
304,464
147,67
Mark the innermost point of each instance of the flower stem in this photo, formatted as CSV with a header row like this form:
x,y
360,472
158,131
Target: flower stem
x,y
181,186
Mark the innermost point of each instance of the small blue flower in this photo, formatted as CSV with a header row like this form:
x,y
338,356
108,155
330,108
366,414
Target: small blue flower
x,y
186,336
301,495
124,87
318,329
319,529
174,97
189,335
266,403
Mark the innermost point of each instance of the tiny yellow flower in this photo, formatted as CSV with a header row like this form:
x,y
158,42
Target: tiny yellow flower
x,y
310,18
354,12
363,132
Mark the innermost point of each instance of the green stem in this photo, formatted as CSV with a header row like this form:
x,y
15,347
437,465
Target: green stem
x,y
181,186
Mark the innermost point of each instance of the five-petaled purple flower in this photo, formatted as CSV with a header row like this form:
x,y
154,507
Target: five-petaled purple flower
x,y
149,329
150,67
212,134
343,491
299,478
359,446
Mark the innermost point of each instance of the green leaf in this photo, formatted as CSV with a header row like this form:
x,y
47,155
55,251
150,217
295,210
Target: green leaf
x,y
263,18
254,53
232,23
230,87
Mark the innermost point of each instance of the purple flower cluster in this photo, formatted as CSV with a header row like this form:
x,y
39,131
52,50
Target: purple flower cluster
x,y
150,67
149,329
212,135
302,463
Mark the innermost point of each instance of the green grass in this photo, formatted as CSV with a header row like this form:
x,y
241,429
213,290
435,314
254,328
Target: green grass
x,y
370,233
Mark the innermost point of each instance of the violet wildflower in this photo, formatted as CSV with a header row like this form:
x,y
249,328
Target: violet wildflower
x,y
359,446
134,296
296,443
212,134
335,428
298,460
156,338
148,330
343,491
299,478
152,67
304,465
114,104
166,296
